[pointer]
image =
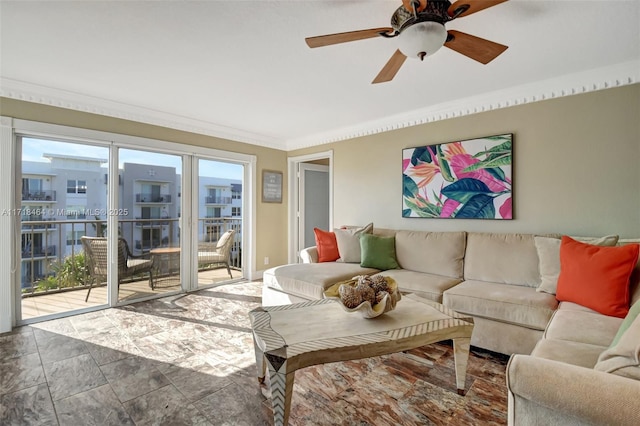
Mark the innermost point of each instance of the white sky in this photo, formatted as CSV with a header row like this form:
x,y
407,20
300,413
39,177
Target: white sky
x,y
32,150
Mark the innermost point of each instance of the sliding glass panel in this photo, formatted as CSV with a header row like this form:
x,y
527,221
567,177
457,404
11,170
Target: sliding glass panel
x,y
148,224
64,193
220,200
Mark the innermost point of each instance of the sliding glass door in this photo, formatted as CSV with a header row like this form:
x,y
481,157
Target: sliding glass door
x,y
149,200
219,222
108,219
64,195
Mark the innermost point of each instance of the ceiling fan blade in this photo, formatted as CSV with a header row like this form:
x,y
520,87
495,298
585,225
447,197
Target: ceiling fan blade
x,y
329,39
467,7
391,68
479,49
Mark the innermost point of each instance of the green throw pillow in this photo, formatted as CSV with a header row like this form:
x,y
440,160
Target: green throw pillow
x,y
378,252
634,311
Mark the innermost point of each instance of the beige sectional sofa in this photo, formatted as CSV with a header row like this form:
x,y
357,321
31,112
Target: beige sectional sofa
x,y
559,373
492,277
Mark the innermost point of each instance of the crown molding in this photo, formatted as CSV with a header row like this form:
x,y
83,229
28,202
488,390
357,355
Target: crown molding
x,y
572,84
23,91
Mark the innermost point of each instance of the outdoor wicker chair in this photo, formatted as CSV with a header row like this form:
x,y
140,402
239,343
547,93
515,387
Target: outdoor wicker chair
x,y
218,255
95,249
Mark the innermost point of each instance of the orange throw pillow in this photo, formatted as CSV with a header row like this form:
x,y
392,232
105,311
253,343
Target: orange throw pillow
x,y
327,245
596,277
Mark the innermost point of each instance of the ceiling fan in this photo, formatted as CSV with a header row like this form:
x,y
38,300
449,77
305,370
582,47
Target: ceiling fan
x,y
419,24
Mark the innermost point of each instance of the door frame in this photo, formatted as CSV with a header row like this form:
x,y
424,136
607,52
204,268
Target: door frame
x,y
294,199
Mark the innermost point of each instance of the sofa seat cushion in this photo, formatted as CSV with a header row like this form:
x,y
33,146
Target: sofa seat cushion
x,y
575,353
574,323
309,280
424,285
512,304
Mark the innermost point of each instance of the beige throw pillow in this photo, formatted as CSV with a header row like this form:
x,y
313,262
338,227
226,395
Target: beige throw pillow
x,y
349,243
624,358
549,258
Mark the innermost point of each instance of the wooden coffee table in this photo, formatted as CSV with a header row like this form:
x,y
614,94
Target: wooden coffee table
x,y
291,337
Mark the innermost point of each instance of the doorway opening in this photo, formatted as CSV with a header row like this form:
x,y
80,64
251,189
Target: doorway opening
x,y
311,199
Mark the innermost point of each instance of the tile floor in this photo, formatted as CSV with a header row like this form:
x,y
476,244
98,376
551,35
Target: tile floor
x,y
188,359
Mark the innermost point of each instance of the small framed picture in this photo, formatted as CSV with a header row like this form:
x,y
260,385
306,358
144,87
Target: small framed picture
x,y
271,186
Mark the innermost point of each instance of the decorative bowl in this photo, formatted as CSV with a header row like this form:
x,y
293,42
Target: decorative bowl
x,y
366,309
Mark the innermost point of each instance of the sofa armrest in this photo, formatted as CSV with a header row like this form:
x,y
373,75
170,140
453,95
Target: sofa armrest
x,y
309,255
543,391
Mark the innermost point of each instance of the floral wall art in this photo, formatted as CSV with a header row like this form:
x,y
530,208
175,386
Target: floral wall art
x,y
469,179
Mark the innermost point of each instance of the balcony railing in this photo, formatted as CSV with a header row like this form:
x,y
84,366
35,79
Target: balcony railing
x,y
46,196
153,198
217,200
42,262
37,223
28,251
153,222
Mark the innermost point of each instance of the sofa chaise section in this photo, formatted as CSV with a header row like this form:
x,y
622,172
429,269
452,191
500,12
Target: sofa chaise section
x,y
430,263
306,281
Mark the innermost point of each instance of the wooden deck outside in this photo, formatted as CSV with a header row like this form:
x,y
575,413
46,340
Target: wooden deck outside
x,y
48,304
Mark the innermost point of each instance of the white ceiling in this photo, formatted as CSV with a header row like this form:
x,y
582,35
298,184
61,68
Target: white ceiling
x,y
241,69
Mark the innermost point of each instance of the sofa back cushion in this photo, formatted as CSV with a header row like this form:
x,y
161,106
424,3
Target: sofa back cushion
x,y
502,258
385,232
440,253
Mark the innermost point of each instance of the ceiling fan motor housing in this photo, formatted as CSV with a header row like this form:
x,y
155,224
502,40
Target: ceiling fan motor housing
x,y
436,11
423,33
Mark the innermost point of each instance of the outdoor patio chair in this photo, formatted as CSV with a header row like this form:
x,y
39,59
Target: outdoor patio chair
x,y
95,249
218,255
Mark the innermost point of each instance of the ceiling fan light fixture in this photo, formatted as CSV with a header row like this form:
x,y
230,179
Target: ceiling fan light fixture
x,y
422,39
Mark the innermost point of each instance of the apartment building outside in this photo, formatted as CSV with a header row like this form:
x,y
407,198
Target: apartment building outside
x,y
66,198
56,196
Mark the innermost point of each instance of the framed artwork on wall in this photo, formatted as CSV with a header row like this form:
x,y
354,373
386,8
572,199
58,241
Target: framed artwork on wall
x,y
468,179
271,186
